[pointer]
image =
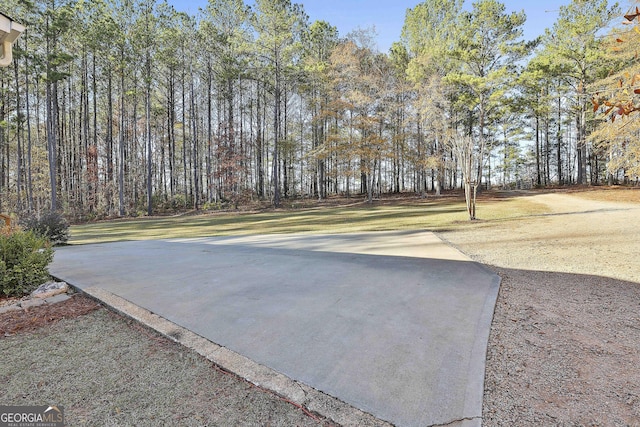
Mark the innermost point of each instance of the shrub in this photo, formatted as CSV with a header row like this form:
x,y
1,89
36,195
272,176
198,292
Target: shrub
x,y
50,225
24,257
179,201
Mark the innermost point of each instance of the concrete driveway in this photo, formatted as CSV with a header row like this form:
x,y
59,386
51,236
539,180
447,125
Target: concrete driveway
x,y
395,324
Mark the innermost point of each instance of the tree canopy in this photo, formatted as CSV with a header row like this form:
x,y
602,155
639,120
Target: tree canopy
x,y
145,108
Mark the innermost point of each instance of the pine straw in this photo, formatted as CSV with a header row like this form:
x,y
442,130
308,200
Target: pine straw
x,y
30,319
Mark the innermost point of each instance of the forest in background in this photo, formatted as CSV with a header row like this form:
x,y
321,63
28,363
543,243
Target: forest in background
x,y
128,107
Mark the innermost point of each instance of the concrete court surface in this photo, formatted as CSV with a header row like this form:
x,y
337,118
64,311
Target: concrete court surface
x,y
395,324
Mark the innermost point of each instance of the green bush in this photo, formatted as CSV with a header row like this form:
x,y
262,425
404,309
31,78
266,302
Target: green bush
x,y
24,257
51,225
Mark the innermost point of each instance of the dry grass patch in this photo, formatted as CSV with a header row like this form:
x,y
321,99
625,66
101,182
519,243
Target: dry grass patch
x,y
105,369
435,214
611,194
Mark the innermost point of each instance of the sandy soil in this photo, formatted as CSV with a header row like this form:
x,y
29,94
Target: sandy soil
x,y
565,342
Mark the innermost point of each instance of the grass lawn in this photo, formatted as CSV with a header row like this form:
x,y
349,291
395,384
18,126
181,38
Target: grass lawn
x,y
409,213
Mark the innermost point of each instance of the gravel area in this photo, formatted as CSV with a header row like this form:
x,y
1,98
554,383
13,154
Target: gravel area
x,y
565,341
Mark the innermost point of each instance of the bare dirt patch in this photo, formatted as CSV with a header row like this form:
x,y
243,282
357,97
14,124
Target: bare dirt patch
x,y
565,340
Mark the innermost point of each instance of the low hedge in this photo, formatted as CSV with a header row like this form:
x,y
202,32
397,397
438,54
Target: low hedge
x,y
24,257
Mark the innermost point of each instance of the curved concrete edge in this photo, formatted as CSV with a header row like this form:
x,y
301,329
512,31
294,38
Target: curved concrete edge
x,y
474,401
309,398
474,396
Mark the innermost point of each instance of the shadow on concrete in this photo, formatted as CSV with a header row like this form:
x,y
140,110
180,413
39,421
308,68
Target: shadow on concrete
x,y
381,321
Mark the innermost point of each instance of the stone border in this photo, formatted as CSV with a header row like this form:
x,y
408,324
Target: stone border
x,y
259,375
34,302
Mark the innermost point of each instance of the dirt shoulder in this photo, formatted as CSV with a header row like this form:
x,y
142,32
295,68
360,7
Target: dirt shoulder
x,y
565,340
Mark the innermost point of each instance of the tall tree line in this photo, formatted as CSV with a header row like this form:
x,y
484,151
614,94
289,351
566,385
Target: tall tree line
x,y
121,107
